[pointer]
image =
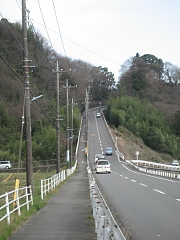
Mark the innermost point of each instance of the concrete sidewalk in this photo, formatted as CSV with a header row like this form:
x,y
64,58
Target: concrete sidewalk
x,y
68,215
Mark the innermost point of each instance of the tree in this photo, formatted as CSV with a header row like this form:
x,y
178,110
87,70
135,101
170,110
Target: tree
x,y
155,64
176,123
171,73
102,82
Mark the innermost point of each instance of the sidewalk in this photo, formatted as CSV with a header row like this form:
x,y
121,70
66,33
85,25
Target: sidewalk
x,y
68,215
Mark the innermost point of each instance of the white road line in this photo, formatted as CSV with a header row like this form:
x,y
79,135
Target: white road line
x,y
126,177
121,175
144,185
178,199
133,180
152,176
156,190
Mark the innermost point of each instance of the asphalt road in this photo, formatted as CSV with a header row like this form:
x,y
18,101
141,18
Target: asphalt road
x,y
148,206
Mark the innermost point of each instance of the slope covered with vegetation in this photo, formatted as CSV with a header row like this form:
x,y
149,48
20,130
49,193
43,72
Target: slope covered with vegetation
x,y
144,121
43,81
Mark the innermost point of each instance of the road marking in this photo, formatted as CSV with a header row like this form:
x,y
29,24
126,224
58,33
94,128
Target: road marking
x,y
126,177
144,185
178,199
159,191
164,179
133,180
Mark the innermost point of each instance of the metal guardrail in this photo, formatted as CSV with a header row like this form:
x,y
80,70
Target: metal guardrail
x,y
159,169
13,201
105,225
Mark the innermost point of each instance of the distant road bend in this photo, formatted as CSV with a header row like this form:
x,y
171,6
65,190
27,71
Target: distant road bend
x,y
149,206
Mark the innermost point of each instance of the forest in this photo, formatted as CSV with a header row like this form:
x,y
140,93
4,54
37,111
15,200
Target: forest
x,y
43,81
145,100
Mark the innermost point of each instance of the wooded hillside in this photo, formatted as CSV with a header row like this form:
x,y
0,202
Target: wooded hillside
x,y
43,81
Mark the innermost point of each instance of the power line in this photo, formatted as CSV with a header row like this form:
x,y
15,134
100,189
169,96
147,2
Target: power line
x,y
79,45
46,29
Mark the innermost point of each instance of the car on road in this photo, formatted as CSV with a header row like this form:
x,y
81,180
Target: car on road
x,y
5,165
98,156
175,163
98,115
103,166
109,151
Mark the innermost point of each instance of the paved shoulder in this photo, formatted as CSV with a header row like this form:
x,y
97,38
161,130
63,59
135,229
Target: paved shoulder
x,y
68,215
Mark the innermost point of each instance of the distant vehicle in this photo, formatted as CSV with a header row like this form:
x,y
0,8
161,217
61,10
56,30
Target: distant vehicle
x,y
98,157
98,115
175,163
103,166
108,151
5,165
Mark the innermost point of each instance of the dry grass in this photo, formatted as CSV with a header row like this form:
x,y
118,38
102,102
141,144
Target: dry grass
x,y
128,144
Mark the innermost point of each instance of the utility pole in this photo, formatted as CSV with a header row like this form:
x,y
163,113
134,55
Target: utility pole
x,y
87,108
72,113
29,169
58,146
57,123
67,121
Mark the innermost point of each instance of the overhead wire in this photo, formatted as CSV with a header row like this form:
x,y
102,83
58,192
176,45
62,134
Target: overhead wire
x,y
46,28
60,34
17,66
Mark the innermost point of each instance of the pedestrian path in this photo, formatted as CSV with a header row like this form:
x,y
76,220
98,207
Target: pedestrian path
x,y
68,215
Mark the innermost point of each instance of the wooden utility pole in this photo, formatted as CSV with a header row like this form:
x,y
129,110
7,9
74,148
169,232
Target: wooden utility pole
x,y
72,113
29,169
57,122
67,123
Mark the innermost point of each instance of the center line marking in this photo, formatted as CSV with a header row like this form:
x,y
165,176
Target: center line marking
x,y
133,180
159,191
144,185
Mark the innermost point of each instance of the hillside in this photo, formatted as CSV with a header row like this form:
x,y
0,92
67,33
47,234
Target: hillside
x,y
148,77
128,144
43,81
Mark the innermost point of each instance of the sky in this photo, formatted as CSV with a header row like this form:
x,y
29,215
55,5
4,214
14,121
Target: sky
x,y
105,32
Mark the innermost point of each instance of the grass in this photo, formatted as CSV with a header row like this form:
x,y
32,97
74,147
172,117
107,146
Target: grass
x,y
7,181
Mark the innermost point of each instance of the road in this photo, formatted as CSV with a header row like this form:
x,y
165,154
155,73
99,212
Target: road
x,y
148,206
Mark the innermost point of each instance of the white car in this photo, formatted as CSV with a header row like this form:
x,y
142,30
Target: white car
x,y
98,115
103,166
5,165
175,163
98,156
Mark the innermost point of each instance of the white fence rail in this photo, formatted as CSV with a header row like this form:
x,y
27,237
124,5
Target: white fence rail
x,y
13,201
52,182
49,184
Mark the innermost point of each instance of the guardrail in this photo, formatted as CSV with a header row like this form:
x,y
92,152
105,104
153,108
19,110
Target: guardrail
x,y
13,201
159,169
105,225
119,154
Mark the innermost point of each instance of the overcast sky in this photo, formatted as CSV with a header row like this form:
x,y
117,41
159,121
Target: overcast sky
x,y
105,32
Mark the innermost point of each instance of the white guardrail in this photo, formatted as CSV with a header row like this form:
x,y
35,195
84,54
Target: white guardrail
x,y
105,225
13,201
164,170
